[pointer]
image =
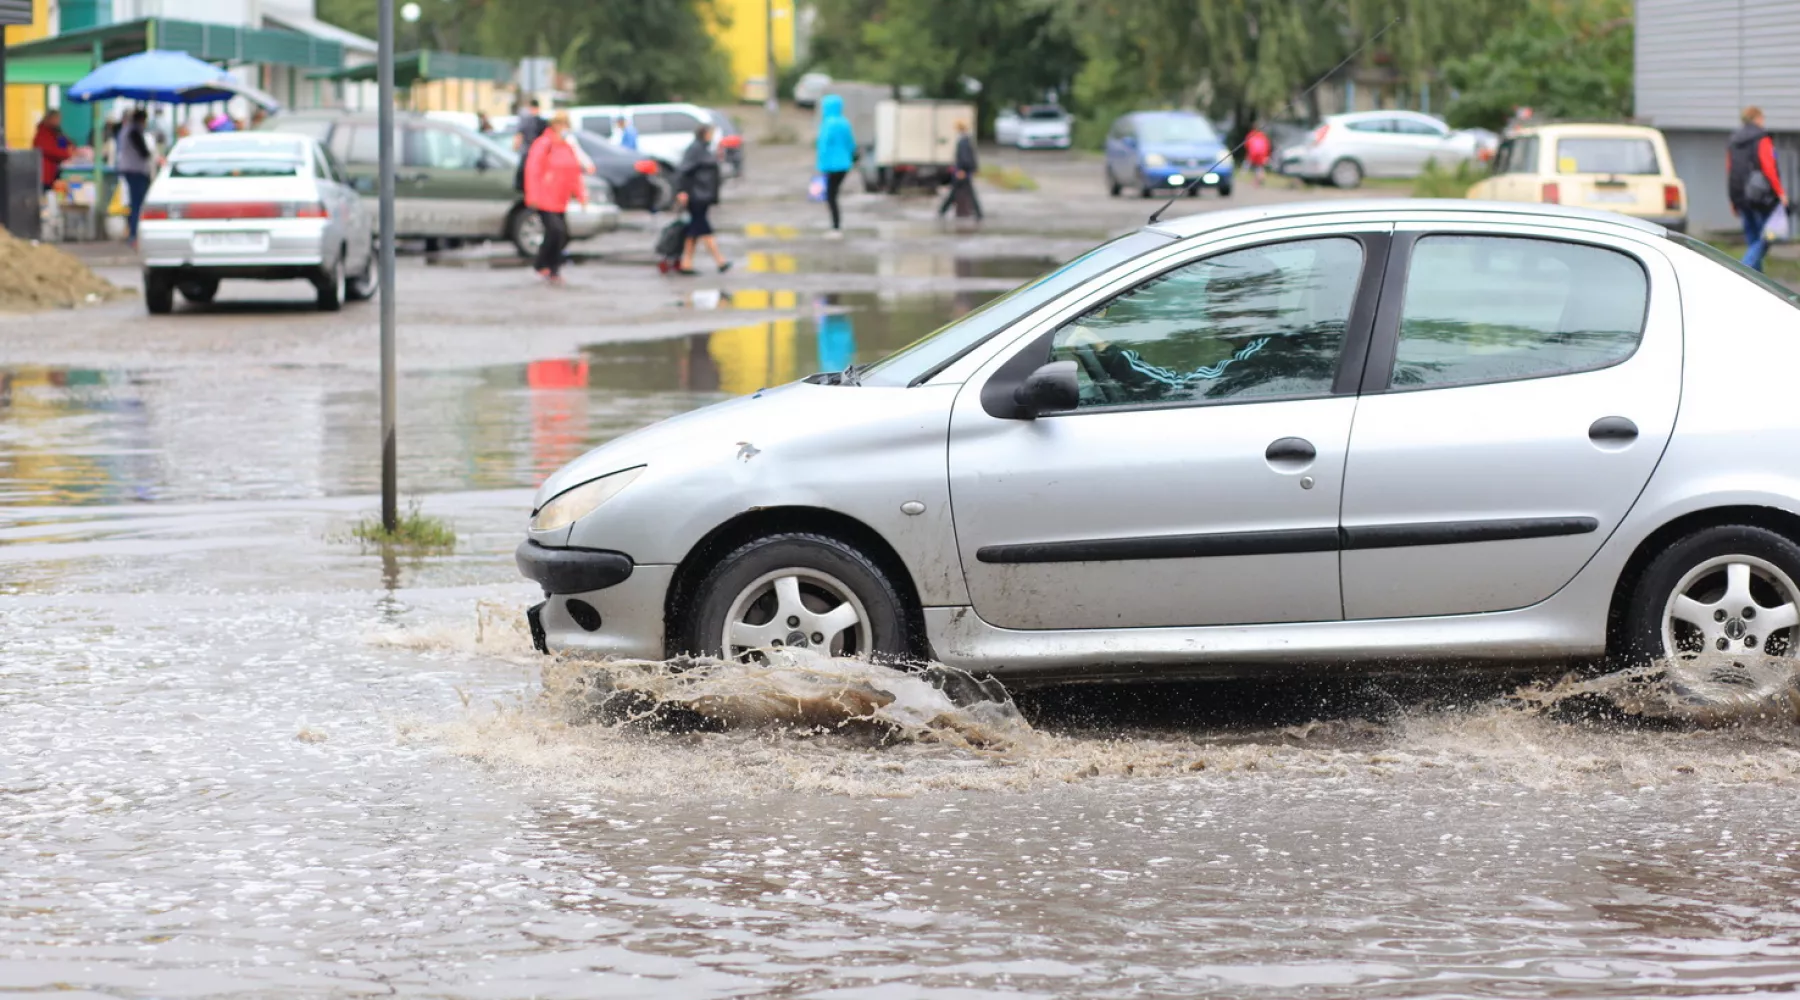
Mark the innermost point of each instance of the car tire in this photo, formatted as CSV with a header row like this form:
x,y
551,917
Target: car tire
x,y
1113,187
525,229
1347,174
1225,190
366,285
330,284
747,589
1143,186
159,294
1726,570
198,290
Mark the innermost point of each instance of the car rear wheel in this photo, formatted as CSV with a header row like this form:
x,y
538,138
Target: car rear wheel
x,y
159,294
198,290
1112,187
366,285
797,590
525,228
330,285
1346,174
1722,591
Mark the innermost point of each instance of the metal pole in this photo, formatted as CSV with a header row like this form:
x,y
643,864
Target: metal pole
x,y
384,75
772,101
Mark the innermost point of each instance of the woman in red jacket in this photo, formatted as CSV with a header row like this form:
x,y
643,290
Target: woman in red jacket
x,y
552,180
53,147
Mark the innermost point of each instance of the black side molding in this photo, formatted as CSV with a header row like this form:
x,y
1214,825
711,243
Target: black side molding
x,y
1396,536
1264,543
572,571
1232,543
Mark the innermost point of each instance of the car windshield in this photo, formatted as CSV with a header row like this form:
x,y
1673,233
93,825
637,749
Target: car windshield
x,y
1717,256
208,165
931,353
1161,129
1606,156
1044,113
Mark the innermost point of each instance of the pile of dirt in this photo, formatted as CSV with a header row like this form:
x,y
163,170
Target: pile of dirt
x,y
35,276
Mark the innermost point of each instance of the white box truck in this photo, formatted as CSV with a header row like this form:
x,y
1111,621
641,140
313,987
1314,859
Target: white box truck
x,y
915,143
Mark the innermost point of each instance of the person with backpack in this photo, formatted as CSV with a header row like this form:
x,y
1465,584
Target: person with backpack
x,y
552,180
1753,182
697,190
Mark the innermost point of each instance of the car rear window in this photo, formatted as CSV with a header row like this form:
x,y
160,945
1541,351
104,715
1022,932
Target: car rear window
x,y
235,166
1606,156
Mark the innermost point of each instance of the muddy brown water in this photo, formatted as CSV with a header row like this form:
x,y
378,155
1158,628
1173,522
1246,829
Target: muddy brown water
x,y
242,756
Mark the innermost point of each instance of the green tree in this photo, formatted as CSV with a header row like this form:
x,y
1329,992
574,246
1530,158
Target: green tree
x,y
1563,59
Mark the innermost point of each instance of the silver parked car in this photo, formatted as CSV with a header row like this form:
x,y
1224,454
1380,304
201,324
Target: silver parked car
x,y
1369,433
1039,126
1349,147
253,205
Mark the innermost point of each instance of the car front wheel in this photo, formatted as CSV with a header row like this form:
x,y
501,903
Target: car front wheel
x,y
797,590
159,293
329,283
1721,591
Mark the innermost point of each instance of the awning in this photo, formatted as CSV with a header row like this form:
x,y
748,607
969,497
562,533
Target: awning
x,y
414,67
349,40
220,43
44,71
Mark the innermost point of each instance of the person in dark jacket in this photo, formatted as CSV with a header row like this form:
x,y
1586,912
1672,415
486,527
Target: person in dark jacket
x,y
1753,183
697,190
531,125
962,173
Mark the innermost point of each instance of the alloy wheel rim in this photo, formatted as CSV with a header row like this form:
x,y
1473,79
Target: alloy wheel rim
x,y
1732,604
800,608
531,232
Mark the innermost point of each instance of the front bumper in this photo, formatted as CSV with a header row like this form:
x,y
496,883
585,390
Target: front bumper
x,y
1049,141
597,603
1180,177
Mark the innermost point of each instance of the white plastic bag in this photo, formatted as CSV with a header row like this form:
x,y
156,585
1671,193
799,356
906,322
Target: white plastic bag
x,y
1780,227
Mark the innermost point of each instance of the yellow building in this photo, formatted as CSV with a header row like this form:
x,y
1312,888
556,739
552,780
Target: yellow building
x,y
25,102
742,32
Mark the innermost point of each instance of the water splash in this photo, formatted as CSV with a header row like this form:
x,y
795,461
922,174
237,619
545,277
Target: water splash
x,y
1704,692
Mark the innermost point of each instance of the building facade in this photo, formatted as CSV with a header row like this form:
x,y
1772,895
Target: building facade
x,y
743,31
1698,64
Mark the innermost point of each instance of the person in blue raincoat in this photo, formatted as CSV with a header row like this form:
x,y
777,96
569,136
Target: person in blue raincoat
x,y
836,153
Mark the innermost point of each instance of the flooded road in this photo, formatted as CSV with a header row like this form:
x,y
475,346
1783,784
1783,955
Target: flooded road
x,y
243,755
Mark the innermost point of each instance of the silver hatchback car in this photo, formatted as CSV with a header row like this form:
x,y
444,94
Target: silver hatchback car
x,y
1370,434
254,205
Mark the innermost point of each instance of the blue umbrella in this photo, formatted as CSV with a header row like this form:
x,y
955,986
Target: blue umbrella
x,y
166,78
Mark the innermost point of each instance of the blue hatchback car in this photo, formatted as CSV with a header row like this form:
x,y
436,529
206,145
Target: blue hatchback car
x,y
1165,151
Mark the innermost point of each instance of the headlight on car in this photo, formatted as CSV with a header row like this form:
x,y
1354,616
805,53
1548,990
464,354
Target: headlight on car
x,y
1156,160
577,502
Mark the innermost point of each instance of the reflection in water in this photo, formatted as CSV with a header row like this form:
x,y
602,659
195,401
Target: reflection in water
x,y
82,437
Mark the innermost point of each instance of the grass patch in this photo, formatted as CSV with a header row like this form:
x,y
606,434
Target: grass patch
x,y
413,530
1436,182
1007,178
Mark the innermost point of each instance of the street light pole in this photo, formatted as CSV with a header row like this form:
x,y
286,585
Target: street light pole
x,y
384,75
771,100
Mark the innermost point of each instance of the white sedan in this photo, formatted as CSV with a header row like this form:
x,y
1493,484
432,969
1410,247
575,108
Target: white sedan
x,y
257,205
1044,126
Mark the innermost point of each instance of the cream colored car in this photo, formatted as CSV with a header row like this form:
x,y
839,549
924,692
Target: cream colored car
x,y
1613,168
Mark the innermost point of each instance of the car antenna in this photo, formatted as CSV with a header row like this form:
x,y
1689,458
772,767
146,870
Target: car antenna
x,y
1316,84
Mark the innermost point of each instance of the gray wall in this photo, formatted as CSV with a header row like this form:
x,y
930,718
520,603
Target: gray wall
x,y
1698,64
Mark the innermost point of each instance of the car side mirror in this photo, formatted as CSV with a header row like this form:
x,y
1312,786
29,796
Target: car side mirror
x,y
1053,388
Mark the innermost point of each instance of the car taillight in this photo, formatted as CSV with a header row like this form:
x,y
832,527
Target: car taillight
x,y
645,166
308,210
156,213
234,210
1672,197
1552,195
1318,136
732,141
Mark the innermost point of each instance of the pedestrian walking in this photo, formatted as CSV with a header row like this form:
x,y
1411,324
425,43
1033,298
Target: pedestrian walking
x,y
136,157
552,180
836,154
628,136
53,148
1256,153
531,125
962,175
1753,182
697,190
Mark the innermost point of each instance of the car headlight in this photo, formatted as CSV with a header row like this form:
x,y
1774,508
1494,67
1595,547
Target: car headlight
x,y
1156,160
577,502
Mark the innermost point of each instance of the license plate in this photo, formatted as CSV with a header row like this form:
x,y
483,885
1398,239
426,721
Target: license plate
x,y
1614,197
230,242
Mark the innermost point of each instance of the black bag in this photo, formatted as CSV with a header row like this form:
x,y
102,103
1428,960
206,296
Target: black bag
x,y
673,237
1759,194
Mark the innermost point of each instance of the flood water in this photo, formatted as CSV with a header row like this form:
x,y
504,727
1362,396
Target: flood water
x,y
241,755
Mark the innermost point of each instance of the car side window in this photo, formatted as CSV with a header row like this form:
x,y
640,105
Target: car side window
x,y
364,145
440,149
1503,157
333,168
320,170
1259,323
1408,126
600,125
1482,309
1372,125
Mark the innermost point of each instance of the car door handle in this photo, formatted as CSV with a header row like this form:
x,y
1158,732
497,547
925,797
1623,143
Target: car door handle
x,y
1291,451
1612,430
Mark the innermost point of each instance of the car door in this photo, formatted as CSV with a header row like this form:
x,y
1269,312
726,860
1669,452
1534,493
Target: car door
x,y
1372,143
1197,481
460,189
1521,389
358,231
